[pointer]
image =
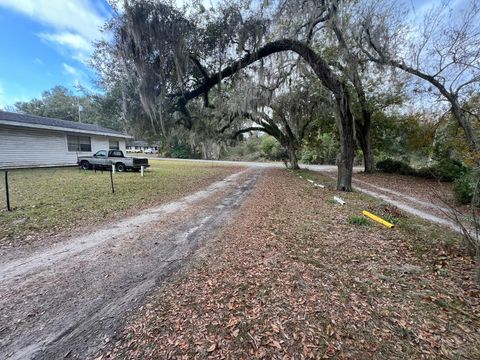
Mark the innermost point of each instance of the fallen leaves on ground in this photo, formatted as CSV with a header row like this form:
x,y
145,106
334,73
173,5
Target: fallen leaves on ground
x,y
289,278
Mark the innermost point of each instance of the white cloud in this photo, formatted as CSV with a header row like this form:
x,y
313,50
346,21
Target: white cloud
x,y
70,70
73,41
77,16
38,61
73,24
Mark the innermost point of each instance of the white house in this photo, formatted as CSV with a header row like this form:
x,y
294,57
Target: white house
x,y
136,146
34,141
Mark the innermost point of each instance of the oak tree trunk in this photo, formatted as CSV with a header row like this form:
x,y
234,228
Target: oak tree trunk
x,y
347,144
292,158
467,129
364,140
362,126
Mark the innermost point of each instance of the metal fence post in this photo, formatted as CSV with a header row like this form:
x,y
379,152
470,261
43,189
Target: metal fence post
x,y
111,181
7,193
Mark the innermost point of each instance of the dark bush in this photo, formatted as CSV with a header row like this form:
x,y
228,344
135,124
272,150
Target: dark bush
x,y
444,170
448,170
465,186
394,167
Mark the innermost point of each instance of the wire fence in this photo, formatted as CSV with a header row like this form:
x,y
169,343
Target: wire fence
x,y
26,186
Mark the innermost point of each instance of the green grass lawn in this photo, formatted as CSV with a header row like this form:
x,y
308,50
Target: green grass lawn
x,y
51,200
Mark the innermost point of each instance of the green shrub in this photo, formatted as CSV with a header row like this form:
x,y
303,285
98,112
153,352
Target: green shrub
x,y
249,149
309,156
180,152
358,220
448,170
253,145
463,189
272,150
269,145
328,149
444,170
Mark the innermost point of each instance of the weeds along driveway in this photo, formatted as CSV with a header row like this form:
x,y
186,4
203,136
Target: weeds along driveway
x,y
67,299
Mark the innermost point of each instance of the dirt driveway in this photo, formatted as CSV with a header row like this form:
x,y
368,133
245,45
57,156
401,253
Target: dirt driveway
x,y
69,300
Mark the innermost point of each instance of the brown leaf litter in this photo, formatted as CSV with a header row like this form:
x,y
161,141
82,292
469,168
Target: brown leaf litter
x,y
289,278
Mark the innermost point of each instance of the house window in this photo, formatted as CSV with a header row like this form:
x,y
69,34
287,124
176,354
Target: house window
x,y
79,143
113,145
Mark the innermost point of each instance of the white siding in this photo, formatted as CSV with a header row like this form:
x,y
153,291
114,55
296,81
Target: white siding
x,y
99,143
102,143
23,147
121,143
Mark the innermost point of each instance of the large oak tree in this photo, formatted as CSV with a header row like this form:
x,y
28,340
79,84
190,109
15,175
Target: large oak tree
x,y
177,58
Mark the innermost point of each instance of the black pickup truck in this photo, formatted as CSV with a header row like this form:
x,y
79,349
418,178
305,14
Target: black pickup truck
x,y
107,158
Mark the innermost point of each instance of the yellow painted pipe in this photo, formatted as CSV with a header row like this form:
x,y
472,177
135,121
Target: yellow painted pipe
x,y
378,219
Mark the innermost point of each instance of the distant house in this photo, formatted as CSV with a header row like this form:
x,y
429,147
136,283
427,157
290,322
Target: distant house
x,y
138,146
34,141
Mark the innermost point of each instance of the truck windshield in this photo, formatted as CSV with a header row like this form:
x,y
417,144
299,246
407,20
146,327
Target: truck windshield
x,y
101,153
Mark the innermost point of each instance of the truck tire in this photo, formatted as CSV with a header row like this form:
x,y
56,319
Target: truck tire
x,y
85,165
120,167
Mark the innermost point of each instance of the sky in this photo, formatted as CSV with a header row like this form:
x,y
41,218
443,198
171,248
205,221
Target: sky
x,y
44,43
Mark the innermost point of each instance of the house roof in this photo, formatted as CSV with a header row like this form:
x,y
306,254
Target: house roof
x,y
39,122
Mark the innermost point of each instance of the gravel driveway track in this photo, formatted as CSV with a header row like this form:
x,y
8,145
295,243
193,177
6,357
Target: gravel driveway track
x,y
69,299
